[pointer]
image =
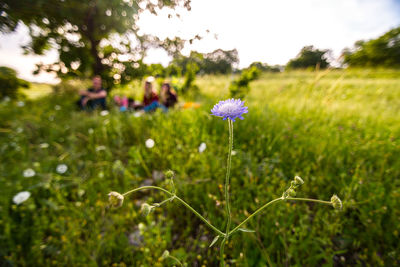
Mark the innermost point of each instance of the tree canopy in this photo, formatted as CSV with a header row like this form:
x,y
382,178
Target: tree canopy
x,y
381,52
216,62
94,37
309,57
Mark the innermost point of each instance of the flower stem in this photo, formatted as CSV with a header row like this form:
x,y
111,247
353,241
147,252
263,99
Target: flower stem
x,y
181,200
227,201
175,259
310,200
255,213
274,201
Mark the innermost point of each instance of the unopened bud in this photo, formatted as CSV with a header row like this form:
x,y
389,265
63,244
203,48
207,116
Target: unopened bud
x,y
291,192
165,255
298,180
336,202
115,199
146,209
169,174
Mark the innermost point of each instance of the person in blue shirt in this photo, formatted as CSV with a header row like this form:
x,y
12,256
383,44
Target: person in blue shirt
x,y
94,97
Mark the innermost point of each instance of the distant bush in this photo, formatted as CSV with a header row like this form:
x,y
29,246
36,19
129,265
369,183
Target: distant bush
x,y
264,67
9,83
309,57
239,88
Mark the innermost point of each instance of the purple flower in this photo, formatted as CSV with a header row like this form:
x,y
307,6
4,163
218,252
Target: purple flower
x,y
229,109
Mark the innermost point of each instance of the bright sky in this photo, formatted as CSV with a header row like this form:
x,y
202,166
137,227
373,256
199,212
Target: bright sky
x,y
261,30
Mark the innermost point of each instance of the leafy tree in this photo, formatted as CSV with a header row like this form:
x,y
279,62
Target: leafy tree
x,y
309,57
92,37
381,52
264,67
9,83
240,87
220,61
216,62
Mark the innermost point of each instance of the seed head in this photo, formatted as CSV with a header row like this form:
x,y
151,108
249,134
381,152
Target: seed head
x,y
169,174
298,180
146,209
115,199
336,202
165,255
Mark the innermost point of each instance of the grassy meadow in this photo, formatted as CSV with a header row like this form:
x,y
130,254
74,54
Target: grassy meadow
x,y
339,130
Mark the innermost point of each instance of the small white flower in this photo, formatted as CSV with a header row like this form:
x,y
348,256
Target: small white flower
x,y
104,113
61,168
21,197
19,130
20,103
233,153
90,131
29,173
6,99
202,147
149,143
57,107
137,114
44,145
100,148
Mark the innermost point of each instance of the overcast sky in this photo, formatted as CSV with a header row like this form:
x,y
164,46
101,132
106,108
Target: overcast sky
x,y
261,30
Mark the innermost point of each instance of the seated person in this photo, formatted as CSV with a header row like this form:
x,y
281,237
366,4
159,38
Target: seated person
x,y
168,96
93,97
150,99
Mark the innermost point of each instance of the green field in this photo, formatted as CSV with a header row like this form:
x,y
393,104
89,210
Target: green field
x,y
338,130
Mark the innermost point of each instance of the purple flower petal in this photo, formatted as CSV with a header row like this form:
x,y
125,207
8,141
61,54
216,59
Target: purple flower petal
x,y
229,109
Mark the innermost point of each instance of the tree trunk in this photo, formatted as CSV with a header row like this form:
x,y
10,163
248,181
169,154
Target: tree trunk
x,y
97,67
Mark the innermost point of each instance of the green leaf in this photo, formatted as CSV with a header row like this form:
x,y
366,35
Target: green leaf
x,y
214,241
246,230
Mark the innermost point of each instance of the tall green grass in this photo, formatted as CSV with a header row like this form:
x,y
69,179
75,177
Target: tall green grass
x,y
338,130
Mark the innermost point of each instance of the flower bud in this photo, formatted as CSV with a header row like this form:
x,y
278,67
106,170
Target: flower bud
x,y
336,202
146,209
115,199
291,192
169,174
298,180
165,255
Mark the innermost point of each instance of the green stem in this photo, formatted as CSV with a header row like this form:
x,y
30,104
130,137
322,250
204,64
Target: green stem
x,y
227,201
181,200
274,201
310,200
175,259
227,182
254,214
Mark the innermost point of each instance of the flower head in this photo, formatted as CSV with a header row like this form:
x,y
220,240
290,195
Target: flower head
x,y
61,168
336,202
21,197
202,147
29,173
229,109
115,199
149,143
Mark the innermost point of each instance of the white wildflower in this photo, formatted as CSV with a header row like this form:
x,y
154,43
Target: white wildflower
x,y
44,145
149,143
61,168
21,197
29,173
202,147
104,113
